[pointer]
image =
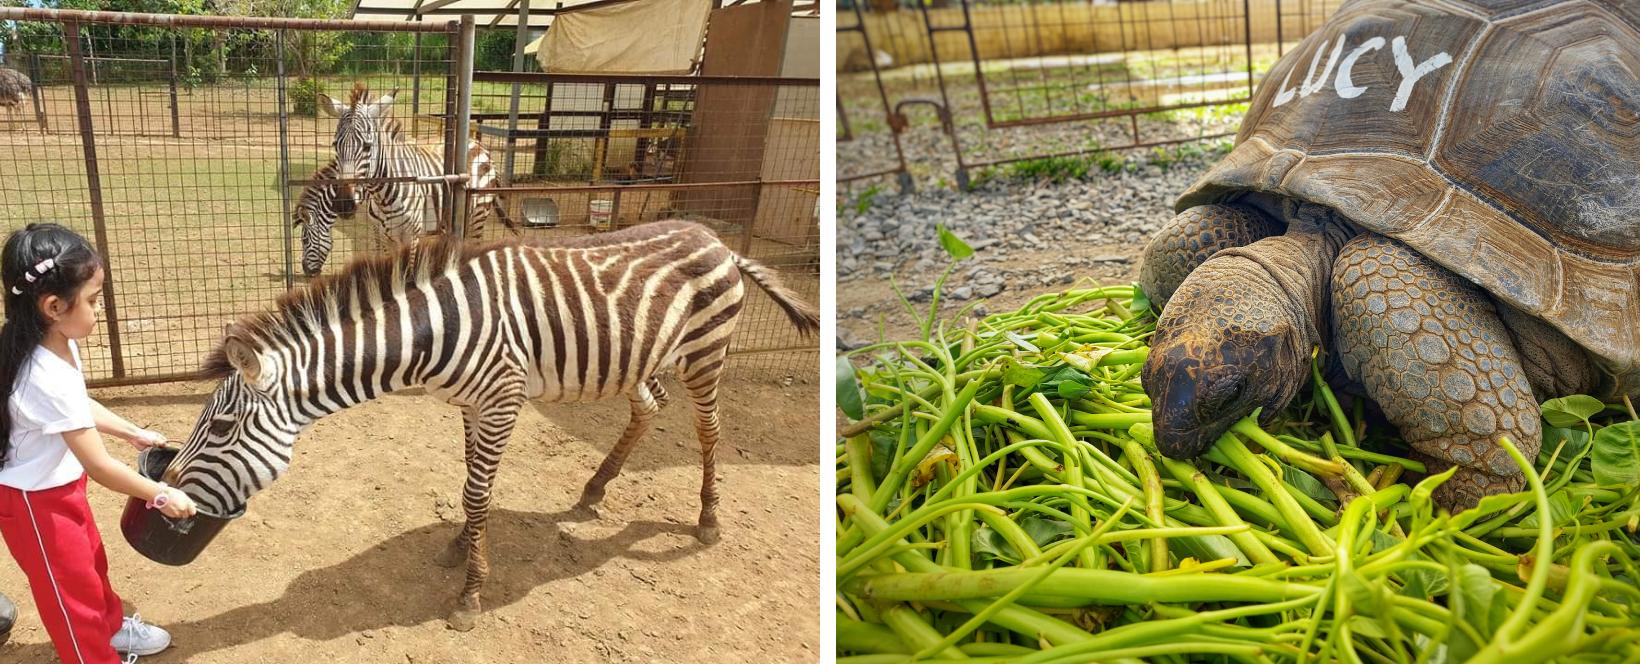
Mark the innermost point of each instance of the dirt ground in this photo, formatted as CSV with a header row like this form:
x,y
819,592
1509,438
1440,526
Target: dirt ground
x,y
335,564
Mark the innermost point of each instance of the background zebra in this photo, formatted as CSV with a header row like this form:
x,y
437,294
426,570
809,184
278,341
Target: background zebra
x,y
484,327
316,210
371,143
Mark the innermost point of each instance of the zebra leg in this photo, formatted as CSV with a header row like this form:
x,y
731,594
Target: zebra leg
x,y
455,553
655,389
492,427
644,407
701,378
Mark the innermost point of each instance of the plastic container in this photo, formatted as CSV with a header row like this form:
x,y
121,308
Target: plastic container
x,y
602,213
158,537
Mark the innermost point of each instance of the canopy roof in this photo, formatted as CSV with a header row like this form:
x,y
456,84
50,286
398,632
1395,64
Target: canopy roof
x,y
501,13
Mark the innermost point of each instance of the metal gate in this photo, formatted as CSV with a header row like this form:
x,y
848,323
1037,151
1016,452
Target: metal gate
x,y
993,71
178,144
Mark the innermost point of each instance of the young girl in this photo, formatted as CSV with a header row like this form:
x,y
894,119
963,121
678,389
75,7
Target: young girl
x,y
49,444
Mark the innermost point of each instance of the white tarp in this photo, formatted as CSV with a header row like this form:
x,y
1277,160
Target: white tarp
x,y
650,37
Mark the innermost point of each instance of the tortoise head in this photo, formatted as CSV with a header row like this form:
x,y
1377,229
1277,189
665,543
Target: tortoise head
x,y
1223,347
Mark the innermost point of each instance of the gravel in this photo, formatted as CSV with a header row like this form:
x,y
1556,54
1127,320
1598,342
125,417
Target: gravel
x,y
1056,226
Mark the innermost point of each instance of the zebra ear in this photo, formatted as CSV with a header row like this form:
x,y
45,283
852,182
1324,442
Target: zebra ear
x,y
252,366
384,104
330,106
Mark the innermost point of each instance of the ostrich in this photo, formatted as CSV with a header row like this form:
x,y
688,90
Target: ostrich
x,y
14,90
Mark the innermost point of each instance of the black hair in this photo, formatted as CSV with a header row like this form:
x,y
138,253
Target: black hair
x,y
26,277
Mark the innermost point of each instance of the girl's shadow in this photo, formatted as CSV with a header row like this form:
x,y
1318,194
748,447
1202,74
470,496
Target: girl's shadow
x,y
396,583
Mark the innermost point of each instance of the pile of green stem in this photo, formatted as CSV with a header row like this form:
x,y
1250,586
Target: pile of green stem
x,y
1001,500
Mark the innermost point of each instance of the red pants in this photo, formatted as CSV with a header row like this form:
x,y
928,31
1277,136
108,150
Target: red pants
x,y
54,538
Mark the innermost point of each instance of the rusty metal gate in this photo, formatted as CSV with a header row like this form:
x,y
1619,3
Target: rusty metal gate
x,y
1111,71
179,145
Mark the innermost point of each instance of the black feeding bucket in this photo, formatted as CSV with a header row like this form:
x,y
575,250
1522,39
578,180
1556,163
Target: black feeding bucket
x,y
160,538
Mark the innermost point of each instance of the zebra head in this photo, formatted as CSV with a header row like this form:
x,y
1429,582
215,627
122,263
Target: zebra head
x,y
243,439
316,212
361,124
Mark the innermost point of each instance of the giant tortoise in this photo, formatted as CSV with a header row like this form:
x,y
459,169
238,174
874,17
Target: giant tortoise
x,y
1444,197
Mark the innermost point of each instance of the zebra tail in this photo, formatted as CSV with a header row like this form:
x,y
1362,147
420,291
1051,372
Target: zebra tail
x,y
803,316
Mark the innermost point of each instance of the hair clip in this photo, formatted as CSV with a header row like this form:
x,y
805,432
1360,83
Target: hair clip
x,y
45,265
29,277
16,291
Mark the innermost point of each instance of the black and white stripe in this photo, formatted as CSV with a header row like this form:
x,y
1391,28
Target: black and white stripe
x,y
371,143
316,211
483,327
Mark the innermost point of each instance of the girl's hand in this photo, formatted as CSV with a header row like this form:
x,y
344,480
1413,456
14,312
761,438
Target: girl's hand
x,y
177,504
145,438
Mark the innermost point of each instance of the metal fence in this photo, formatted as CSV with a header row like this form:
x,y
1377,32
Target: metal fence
x,y
588,153
1008,82
179,144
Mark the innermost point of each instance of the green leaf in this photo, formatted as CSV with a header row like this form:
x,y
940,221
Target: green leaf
x,y
1207,547
1367,598
988,542
1561,509
1576,440
1616,454
1478,588
1234,483
1022,343
1140,303
1069,382
883,445
1023,376
1572,410
1367,627
848,391
1421,582
1044,531
1306,483
954,245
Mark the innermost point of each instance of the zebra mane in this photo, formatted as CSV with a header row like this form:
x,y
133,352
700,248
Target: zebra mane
x,y
304,308
358,94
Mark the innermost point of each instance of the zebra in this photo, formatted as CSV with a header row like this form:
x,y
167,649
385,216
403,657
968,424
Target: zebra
x,y
484,327
316,210
371,143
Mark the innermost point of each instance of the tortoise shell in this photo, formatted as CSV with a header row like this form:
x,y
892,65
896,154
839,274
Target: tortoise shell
x,y
1500,138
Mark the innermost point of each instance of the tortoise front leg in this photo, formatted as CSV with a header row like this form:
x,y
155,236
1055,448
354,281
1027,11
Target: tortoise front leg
x,y
1189,239
1430,348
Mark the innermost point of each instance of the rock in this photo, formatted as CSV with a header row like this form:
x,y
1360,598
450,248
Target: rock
x,y
1111,258
988,289
1031,238
923,294
962,292
848,340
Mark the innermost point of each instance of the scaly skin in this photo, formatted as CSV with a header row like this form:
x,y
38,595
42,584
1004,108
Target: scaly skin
x,y
1429,347
1189,239
1237,333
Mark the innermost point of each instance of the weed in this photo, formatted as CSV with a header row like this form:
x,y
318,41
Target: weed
x,y
863,203
1057,169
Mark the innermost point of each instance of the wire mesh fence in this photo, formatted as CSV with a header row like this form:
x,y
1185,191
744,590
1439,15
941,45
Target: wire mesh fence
x,y
1029,80
592,153
170,146
181,144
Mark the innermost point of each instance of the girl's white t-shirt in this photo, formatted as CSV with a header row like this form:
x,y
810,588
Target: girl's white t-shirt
x,y
48,400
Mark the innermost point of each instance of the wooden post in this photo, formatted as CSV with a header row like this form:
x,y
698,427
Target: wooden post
x,y
93,182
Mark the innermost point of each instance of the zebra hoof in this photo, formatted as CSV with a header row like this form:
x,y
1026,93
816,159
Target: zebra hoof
x,y
464,620
453,555
707,535
588,508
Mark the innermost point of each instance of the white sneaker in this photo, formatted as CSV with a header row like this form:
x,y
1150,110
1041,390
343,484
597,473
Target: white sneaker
x,y
139,638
